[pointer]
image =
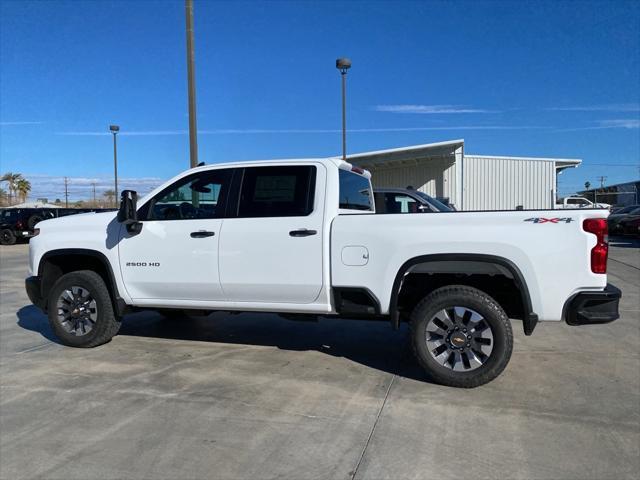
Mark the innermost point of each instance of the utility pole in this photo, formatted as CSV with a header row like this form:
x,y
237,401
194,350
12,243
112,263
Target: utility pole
x,y
66,192
94,194
191,72
114,129
344,64
602,180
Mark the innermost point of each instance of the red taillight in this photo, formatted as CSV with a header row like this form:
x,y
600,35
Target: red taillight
x,y
598,226
357,170
19,225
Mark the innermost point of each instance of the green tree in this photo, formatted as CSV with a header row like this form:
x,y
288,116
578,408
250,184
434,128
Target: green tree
x,y
22,188
11,179
587,185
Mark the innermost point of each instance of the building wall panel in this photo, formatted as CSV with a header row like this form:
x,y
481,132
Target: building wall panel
x,y
435,177
502,183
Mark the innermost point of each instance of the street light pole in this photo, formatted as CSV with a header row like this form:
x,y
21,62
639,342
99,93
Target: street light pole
x,y
344,64
115,129
191,71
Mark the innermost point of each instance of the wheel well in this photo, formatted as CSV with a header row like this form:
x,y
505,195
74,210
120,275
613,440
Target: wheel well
x,y
500,287
54,266
496,276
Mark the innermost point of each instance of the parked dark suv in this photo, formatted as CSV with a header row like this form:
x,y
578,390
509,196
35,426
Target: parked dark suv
x,y
17,223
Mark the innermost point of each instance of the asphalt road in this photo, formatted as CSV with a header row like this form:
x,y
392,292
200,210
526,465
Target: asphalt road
x,y
254,396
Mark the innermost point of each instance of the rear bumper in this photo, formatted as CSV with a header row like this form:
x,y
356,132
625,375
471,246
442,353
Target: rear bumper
x,y
588,308
34,291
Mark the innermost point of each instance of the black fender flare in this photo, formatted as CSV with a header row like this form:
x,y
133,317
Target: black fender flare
x,y
118,303
530,319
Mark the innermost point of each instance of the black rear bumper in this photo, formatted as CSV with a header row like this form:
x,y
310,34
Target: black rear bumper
x,y
34,291
588,308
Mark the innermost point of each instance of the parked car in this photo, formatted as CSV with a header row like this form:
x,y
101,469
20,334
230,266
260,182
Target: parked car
x,y
406,200
16,223
615,219
580,202
629,225
300,238
19,223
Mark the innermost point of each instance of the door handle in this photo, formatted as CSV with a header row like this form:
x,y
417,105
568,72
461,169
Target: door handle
x,y
302,232
202,234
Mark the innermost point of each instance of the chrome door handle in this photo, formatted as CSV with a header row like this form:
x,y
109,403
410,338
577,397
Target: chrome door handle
x,y
202,234
302,232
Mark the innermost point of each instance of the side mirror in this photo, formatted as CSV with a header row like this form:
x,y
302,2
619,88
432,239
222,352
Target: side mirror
x,y
128,212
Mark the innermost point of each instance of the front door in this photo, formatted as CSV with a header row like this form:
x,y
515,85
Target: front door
x,y
271,252
175,255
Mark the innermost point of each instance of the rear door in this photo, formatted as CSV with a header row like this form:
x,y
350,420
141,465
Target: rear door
x,y
271,246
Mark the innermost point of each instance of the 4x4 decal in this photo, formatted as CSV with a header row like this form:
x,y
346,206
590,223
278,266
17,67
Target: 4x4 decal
x,y
549,220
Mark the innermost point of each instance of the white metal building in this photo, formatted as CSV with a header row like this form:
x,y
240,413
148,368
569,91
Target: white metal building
x,y
471,182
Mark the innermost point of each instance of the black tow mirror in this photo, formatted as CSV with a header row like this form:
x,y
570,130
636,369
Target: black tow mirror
x,y
128,212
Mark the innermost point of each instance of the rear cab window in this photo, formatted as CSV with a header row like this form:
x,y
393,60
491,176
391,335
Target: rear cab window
x,y
355,192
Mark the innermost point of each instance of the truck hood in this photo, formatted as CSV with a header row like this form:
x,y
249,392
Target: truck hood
x,y
78,222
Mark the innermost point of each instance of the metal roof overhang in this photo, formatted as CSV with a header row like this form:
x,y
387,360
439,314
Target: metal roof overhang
x,y
399,156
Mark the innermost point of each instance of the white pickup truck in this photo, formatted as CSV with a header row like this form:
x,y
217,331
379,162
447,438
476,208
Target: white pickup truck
x,y
299,238
580,202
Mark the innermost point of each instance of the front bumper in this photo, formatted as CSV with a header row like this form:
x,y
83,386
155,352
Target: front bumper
x,y
588,308
34,291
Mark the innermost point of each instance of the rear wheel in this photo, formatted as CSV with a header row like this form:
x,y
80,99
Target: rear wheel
x,y
80,310
461,336
7,237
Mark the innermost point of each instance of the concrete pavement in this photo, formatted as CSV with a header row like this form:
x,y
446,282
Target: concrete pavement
x,y
254,396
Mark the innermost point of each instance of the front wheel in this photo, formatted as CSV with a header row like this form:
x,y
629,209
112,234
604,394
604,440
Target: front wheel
x,y
461,336
80,310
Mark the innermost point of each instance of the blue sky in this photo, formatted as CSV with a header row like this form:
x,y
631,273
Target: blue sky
x,y
553,79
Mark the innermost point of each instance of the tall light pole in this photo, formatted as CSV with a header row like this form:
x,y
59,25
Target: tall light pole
x,y
191,73
115,129
344,64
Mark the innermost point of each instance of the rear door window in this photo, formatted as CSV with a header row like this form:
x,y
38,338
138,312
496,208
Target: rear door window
x,y
282,191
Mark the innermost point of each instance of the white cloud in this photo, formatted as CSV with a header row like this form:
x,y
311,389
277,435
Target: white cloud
x,y
610,107
624,123
230,131
8,124
430,109
628,123
81,188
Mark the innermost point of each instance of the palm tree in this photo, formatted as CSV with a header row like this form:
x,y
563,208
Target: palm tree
x,y
22,188
3,195
110,194
11,179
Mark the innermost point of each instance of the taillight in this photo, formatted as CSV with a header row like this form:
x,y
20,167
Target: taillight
x,y
598,226
19,225
357,170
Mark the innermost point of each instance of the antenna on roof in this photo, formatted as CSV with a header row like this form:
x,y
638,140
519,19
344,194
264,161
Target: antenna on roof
x,y
200,164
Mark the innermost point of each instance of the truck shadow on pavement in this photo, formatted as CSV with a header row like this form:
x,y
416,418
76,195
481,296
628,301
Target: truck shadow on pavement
x,y
370,343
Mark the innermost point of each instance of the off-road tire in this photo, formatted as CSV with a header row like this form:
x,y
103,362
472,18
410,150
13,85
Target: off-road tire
x,y
107,323
472,298
33,221
7,237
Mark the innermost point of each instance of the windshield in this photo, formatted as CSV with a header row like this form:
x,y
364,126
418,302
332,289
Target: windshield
x,y
441,207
